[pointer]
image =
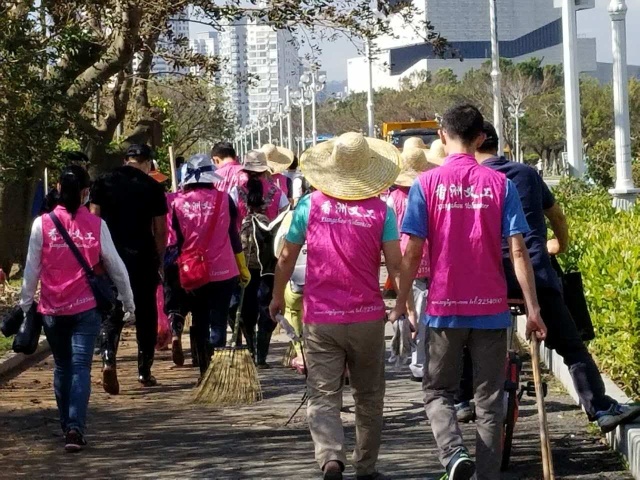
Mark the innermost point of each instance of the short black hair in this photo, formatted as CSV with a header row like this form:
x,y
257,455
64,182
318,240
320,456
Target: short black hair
x,y
492,142
139,152
223,150
464,122
179,162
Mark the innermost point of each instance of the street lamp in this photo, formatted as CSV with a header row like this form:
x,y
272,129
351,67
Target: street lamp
x,y
287,94
517,112
313,83
496,76
268,122
280,116
624,193
253,143
300,99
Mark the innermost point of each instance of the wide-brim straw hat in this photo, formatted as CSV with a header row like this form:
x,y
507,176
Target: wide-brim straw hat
x,y
436,153
414,162
351,166
255,161
279,159
199,169
415,142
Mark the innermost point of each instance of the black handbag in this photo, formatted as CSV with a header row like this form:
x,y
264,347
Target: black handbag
x,y
100,284
26,340
11,322
575,300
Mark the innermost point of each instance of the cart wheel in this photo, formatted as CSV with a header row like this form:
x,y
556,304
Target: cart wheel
x,y
509,426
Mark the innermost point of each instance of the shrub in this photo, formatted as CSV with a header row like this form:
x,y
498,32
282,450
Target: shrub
x,y
600,161
605,248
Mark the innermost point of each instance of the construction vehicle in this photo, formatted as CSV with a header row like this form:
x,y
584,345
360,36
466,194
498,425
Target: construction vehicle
x,y
397,132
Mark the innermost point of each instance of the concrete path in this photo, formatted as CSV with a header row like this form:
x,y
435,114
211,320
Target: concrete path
x,y
159,433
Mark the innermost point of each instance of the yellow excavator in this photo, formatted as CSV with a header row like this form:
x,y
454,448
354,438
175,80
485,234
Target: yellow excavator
x,y
397,132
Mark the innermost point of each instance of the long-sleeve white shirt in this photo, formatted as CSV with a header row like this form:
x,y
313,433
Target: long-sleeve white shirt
x,y
108,253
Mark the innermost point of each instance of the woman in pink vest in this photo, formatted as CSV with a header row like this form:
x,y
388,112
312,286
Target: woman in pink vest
x,y
414,162
279,160
263,199
204,224
67,303
345,226
465,210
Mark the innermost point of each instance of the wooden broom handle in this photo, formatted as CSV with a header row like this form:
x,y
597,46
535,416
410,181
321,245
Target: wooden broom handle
x,y
547,459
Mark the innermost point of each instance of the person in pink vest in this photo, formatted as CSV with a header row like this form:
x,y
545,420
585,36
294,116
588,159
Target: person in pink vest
x,y
464,210
228,169
345,226
279,159
71,320
204,221
414,161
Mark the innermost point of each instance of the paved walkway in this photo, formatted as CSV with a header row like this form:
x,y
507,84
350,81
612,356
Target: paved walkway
x,y
159,433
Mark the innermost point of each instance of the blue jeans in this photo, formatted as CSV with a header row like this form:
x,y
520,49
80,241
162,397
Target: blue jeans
x,y
72,339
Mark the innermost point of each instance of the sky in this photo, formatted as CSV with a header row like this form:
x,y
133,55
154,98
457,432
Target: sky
x,y
591,23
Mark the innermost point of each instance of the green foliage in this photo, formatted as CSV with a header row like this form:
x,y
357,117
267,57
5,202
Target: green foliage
x,y
601,161
605,248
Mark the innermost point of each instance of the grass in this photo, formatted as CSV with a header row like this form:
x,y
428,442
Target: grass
x,y
5,345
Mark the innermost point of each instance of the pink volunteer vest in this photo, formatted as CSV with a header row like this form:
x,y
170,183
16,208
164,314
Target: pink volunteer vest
x,y
400,197
65,289
281,181
232,175
194,210
465,202
271,210
171,237
344,240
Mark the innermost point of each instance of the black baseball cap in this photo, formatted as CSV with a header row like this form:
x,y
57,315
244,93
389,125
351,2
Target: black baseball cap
x,y
75,157
492,141
139,151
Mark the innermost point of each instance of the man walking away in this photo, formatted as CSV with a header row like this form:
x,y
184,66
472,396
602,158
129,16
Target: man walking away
x,y
224,158
538,202
134,207
345,226
464,210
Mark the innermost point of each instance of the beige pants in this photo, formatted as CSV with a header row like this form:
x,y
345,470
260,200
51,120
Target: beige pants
x,y
328,348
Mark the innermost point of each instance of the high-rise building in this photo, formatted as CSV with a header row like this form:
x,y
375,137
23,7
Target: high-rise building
x,y
526,29
208,45
179,25
233,76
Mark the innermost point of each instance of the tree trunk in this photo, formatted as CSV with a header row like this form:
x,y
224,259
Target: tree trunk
x,y
16,201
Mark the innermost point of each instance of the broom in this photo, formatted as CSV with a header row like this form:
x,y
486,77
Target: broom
x,y
232,377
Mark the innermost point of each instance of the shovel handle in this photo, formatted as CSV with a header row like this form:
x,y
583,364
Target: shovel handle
x,y
547,459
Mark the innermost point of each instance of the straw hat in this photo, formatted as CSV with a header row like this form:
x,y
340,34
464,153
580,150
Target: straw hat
x,y
415,142
436,153
278,158
351,167
414,162
199,169
255,161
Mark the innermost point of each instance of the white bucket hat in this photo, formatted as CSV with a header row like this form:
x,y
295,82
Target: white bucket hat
x,y
278,158
255,161
199,169
351,166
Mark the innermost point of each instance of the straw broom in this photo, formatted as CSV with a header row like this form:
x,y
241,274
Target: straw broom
x,y
232,377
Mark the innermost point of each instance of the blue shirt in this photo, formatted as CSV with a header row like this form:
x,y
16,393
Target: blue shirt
x,y
298,230
536,198
514,222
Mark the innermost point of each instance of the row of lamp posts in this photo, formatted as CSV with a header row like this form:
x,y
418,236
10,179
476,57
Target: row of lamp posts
x,y
311,83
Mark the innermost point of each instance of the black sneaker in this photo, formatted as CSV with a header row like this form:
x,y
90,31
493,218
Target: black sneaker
x,y
74,441
263,366
333,472
460,467
110,380
149,381
177,355
617,415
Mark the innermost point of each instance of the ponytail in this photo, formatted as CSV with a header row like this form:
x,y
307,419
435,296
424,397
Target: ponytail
x,y
73,180
255,192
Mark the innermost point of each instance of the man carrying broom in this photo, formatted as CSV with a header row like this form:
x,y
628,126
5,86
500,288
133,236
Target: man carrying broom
x,y
345,227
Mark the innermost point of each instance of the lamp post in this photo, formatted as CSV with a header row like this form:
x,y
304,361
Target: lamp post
x,y
313,83
572,88
370,105
269,123
624,193
517,112
496,75
259,126
280,116
253,143
287,95
299,99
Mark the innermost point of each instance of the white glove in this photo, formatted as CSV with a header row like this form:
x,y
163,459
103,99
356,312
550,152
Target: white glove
x,y
129,317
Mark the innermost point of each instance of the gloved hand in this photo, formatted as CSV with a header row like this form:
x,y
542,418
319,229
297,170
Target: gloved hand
x,y
129,315
245,275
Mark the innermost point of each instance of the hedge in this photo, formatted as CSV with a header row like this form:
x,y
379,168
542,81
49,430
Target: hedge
x,y
605,247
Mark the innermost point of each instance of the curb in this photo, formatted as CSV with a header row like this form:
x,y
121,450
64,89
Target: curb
x,y
626,439
13,362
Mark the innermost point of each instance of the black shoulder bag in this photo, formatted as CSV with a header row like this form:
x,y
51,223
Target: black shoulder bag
x,y
100,284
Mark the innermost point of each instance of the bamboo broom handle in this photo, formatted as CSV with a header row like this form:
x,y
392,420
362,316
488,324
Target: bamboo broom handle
x,y
547,459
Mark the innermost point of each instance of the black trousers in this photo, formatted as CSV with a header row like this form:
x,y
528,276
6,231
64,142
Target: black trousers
x,y
144,283
176,300
563,337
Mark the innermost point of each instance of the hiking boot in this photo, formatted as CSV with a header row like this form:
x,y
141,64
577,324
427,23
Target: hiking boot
x,y
263,366
617,415
373,476
177,355
460,467
110,380
332,471
74,441
147,381
465,413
